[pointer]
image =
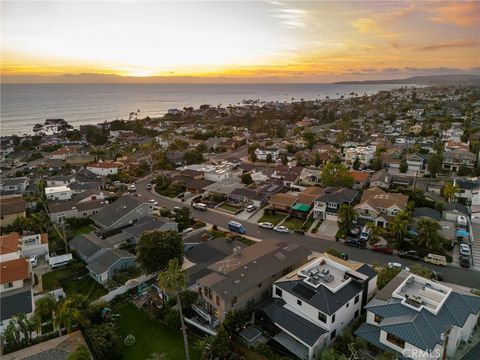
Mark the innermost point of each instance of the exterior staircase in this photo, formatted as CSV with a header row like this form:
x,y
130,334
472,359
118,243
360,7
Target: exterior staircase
x,y
475,228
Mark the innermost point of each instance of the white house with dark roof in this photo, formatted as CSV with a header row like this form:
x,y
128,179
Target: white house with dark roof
x,y
314,303
418,318
326,206
16,185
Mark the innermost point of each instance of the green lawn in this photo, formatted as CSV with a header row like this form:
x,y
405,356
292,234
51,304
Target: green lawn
x,y
85,229
293,223
81,284
308,223
229,207
151,336
274,219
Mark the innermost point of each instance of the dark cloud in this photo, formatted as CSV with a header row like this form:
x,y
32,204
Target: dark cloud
x,y
448,45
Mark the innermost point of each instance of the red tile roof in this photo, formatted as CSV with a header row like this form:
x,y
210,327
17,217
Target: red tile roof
x,y
9,243
14,270
359,176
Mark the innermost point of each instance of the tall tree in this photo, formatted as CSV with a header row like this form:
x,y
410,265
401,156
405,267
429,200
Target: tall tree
x,y
398,226
346,215
336,175
356,164
403,165
173,280
375,232
183,218
428,235
434,164
156,248
449,191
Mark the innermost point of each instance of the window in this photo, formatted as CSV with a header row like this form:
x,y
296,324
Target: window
x,y
348,304
356,314
333,334
234,300
260,285
322,317
333,318
357,298
377,319
299,302
217,300
208,293
8,285
278,292
395,340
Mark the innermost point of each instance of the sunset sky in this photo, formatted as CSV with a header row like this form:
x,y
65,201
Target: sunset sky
x,y
238,41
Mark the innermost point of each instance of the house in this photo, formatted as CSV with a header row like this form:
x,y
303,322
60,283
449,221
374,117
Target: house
x,y
58,193
287,176
310,176
468,191
123,212
381,179
249,196
282,202
149,223
14,245
453,146
103,260
60,180
109,263
263,153
312,305
453,160
59,212
16,185
361,179
244,279
194,186
417,162
380,207
364,154
326,206
11,207
305,200
16,294
63,153
413,315
452,210
79,160
452,134
104,168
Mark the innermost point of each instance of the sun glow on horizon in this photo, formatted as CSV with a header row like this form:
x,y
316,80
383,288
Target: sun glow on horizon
x,y
275,39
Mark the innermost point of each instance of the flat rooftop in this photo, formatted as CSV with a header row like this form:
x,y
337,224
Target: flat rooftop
x,y
326,272
417,293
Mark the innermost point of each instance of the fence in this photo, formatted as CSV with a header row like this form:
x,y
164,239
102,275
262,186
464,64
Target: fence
x,y
130,284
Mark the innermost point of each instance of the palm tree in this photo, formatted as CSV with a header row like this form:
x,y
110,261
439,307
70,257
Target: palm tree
x,y
346,215
375,232
205,346
173,280
450,191
428,236
398,226
66,315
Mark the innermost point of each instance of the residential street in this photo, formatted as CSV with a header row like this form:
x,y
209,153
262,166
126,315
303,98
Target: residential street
x,y
461,276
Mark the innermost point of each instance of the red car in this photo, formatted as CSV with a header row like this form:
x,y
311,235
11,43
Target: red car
x,y
382,249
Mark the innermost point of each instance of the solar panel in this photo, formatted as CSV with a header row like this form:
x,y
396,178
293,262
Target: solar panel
x,y
303,291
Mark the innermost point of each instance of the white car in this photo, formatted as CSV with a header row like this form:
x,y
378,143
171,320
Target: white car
x,y
154,202
266,225
464,250
251,208
33,260
398,266
281,229
187,231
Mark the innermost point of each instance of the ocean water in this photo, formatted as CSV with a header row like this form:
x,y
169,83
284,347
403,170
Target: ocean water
x,y
23,105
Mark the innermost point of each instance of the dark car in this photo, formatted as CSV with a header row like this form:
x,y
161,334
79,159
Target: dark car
x,y
410,254
355,243
382,249
465,261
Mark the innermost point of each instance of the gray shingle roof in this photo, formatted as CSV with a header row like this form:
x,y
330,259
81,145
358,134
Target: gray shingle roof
x,y
117,210
294,324
340,196
322,298
87,244
103,262
50,354
15,301
371,334
148,223
367,270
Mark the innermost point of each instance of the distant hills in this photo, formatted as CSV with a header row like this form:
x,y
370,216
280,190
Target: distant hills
x,y
424,80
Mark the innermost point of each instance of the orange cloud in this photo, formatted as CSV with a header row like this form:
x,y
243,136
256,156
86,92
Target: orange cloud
x,y
464,14
366,26
449,45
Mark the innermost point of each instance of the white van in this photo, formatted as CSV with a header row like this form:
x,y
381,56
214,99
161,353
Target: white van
x,y
436,259
200,206
365,234
461,221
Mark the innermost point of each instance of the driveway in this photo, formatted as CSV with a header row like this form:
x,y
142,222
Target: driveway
x,y
328,229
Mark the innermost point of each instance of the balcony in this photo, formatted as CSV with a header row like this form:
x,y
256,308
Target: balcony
x,y
202,312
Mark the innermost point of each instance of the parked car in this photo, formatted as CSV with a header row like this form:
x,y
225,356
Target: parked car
x,y
177,209
410,254
436,275
436,259
382,249
187,231
397,266
200,206
266,225
281,229
154,202
464,250
365,234
355,243
149,186
33,260
251,208
465,261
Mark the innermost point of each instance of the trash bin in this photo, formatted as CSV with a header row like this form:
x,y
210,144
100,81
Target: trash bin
x,y
344,256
